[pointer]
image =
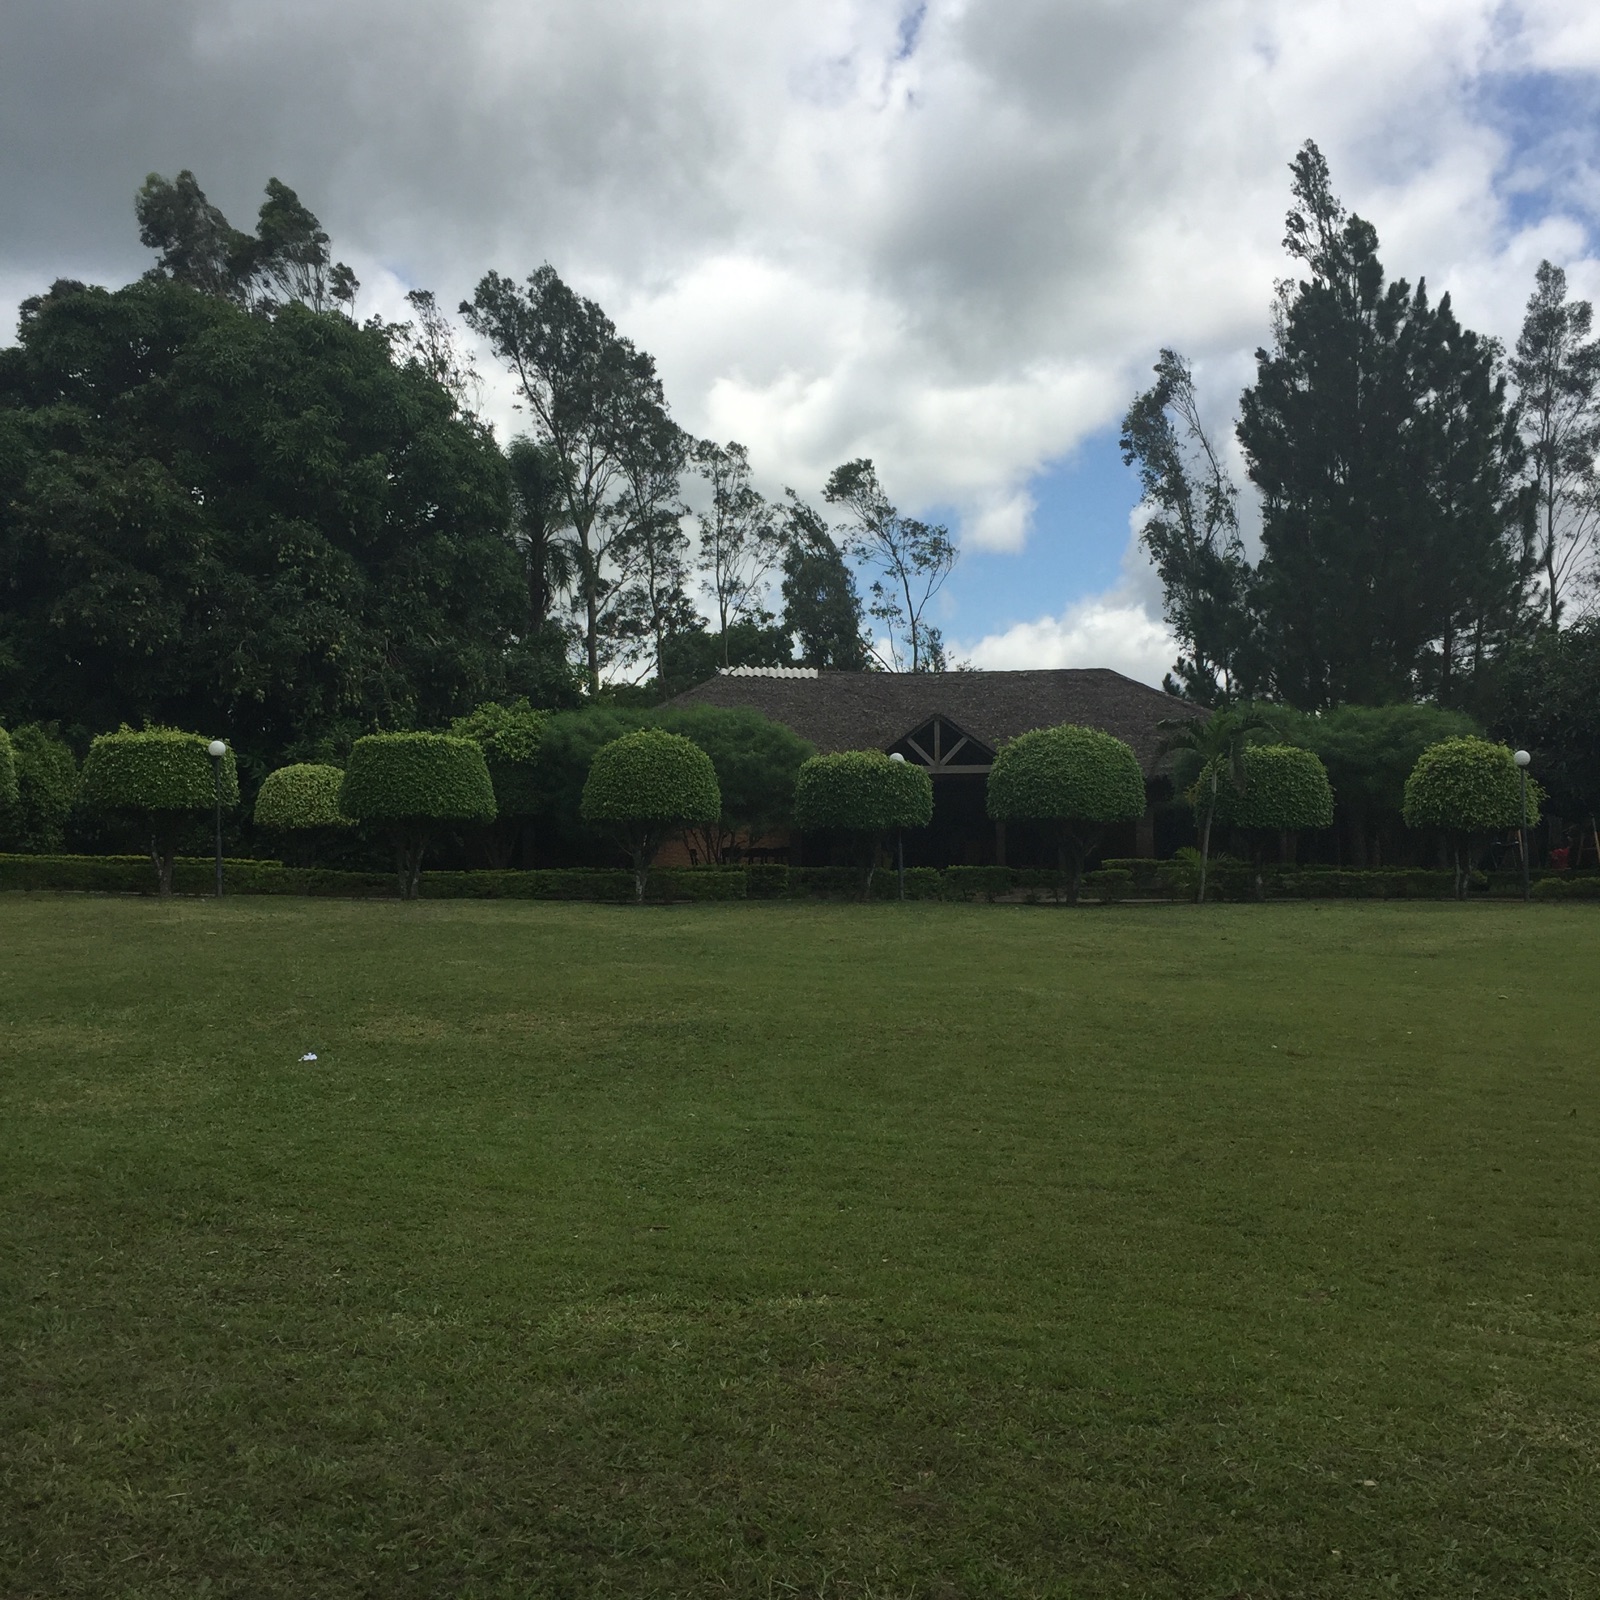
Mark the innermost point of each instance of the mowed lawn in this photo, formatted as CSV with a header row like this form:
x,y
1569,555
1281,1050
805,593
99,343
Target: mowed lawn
x,y
758,1250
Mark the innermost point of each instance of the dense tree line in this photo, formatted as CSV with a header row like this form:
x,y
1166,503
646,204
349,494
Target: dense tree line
x,y
227,503
1428,502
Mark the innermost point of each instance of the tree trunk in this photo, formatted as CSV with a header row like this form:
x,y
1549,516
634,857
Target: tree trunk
x,y
161,853
1205,840
409,847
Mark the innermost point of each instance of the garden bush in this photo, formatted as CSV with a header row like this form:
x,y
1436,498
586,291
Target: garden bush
x,y
978,883
1077,778
509,734
8,777
301,803
1468,789
47,786
646,785
408,784
864,795
1285,790
1109,884
161,779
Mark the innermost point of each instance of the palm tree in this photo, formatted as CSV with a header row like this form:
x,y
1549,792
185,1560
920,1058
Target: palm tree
x,y
1218,742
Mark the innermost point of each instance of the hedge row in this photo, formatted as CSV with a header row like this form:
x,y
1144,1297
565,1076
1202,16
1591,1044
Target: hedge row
x,y
1116,880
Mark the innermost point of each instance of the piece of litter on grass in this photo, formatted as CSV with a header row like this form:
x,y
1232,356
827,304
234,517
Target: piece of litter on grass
x,y
309,1056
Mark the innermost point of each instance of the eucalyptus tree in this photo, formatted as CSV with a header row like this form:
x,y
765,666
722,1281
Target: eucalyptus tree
x,y
913,560
821,606
740,536
592,395
1557,372
1191,530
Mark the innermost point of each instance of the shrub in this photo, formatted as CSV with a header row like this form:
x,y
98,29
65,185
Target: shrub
x,y
1468,789
8,775
1285,789
1078,778
47,785
410,783
646,785
160,778
510,735
302,804
978,883
863,794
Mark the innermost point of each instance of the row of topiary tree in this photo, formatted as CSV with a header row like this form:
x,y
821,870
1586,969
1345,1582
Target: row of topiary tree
x,y
649,783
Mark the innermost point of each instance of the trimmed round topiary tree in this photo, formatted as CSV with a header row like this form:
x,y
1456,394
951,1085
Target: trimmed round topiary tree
x,y
1468,789
411,784
1285,789
865,795
301,804
646,785
159,778
1077,779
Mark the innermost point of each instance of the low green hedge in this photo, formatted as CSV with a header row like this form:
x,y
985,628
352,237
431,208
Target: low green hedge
x,y
1564,886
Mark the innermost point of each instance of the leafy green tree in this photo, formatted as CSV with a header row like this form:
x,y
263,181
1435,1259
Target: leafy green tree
x,y
509,736
740,538
1394,514
1077,779
694,654
538,516
756,762
410,785
1213,749
913,559
161,780
300,803
1551,705
47,785
1468,789
1556,369
1285,790
593,397
646,785
1191,531
210,517
821,608
8,778
865,796
1368,752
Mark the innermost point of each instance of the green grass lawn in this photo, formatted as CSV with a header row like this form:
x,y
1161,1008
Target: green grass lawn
x,y
765,1250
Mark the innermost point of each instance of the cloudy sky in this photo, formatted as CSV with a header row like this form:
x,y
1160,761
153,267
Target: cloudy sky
x,y
948,235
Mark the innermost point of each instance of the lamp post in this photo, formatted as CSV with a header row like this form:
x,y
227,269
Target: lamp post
x,y
1522,759
900,843
217,750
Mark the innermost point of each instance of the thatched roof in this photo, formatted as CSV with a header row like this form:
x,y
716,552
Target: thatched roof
x,y
873,710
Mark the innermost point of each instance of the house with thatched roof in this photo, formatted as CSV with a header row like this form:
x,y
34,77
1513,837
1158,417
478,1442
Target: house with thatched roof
x,y
952,723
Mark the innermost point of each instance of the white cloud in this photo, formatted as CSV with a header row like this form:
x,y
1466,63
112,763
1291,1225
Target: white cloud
x,y
1098,632
959,261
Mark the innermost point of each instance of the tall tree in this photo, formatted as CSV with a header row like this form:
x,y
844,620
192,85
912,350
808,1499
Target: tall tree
x,y
1191,530
1365,424
1557,372
650,600
821,608
431,342
262,525
538,514
913,559
740,539
590,393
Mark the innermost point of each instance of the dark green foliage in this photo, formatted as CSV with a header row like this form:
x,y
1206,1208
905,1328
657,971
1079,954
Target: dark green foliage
x,y
408,784
8,775
47,786
161,779
220,518
301,797
509,735
1077,778
756,762
647,784
694,654
1467,789
821,606
1394,511
1551,706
